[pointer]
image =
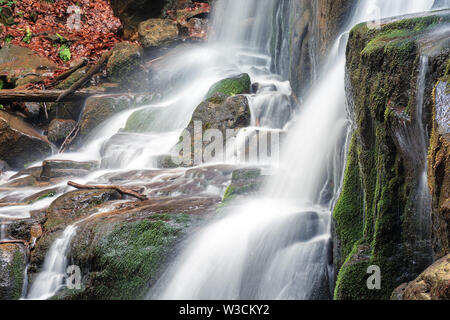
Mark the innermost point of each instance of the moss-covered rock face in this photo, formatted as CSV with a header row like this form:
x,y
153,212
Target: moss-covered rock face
x,y
383,214
439,166
121,258
13,259
232,86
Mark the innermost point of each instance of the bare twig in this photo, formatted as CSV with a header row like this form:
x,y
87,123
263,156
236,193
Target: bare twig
x,y
120,189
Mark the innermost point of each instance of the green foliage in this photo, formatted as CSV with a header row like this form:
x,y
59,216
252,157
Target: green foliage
x,y
9,38
28,36
64,53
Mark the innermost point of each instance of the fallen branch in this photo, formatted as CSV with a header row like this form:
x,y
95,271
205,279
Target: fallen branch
x,y
11,95
120,189
67,74
14,242
92,71
69,139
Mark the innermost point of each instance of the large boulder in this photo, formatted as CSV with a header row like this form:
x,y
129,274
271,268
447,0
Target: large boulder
x,y
220,112
13,259
432,284
20,143
155,33
19,62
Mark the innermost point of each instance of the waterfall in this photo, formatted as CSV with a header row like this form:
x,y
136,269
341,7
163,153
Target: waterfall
x,y
50,280
277,246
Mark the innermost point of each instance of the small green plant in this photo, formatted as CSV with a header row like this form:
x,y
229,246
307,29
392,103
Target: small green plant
x,y
9,38
64,53
28,36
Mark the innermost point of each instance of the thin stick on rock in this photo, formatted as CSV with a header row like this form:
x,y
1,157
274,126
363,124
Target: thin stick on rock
x,y
119,189
92,71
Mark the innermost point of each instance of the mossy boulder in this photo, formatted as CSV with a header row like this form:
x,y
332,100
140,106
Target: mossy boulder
x,y
151,119
384,205
20,143
156,33
13,259
240,84
122,258
220,112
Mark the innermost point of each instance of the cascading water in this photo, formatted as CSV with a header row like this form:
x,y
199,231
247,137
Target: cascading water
x,y
275,246
278,246
50,280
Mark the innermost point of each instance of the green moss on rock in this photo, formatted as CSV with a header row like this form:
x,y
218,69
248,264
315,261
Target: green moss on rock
x,y
123,258
231,86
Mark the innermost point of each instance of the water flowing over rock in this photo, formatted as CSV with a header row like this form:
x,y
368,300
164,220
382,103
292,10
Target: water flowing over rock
x,y
20,143
326,126
385,204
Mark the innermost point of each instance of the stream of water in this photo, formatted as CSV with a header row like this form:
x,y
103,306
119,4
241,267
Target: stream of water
x,y
277,245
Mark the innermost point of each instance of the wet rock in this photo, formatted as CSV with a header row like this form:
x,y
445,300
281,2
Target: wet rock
x,y
220,112
134,11
122,257
20,143
439,168
244,182
231,86
100,108
155,33
4,166
432,284
74,205
384,200
124,65
32,109
13,259
59,129
18,62
57,168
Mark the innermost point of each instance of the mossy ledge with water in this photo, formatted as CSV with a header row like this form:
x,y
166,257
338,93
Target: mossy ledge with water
x,y
378,220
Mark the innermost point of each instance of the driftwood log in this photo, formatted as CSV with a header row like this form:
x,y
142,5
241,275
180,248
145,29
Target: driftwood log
x,y
119,189
10,95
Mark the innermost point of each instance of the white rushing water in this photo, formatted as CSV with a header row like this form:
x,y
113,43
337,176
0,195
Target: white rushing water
x,y
278,246
50,280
